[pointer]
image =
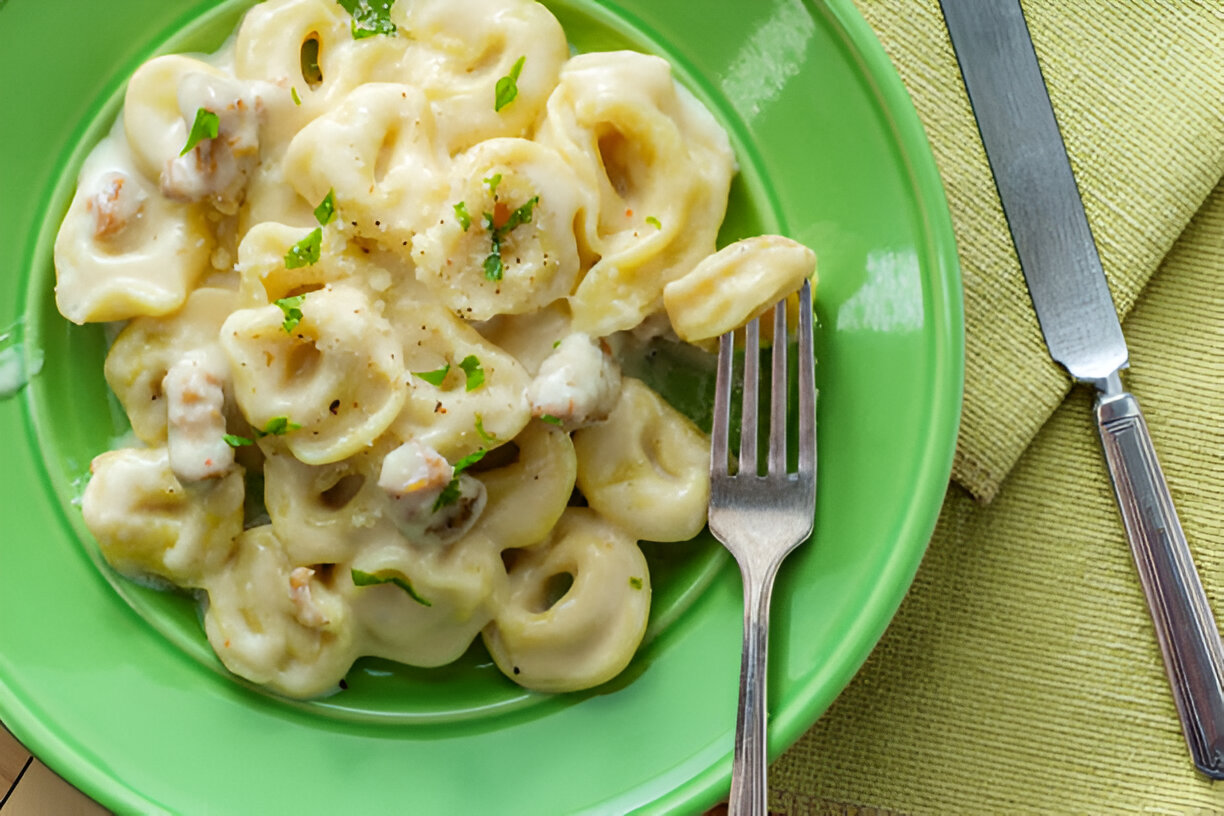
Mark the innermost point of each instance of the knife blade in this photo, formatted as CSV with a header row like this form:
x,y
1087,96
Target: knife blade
x,y
1080,324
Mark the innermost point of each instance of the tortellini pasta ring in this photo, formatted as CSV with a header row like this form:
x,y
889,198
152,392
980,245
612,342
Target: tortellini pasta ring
x,y
736,284
335,379
148,524
377,151
278,624
646,468
466,46
124,250
588,634
496,185
146,349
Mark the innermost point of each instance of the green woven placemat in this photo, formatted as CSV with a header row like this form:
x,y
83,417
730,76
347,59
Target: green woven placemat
x,y
1138,88
1021,674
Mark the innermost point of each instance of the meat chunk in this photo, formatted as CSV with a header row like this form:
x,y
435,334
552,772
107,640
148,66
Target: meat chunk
x,y
115,205
430,503
195,399
577,385
216,169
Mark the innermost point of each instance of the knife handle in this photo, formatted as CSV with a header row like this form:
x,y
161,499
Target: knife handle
x,y
1185,627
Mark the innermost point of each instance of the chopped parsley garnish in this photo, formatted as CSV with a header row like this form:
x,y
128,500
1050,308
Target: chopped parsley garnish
x,y
469,460
556,343
492,182
463,216
654,222
370,17
434,377
277,426
485,436
507,86
297,100
475,374
550,419
450,493
306,251
206,126
292,307
494,268
326,210
363,579
635,582
520,216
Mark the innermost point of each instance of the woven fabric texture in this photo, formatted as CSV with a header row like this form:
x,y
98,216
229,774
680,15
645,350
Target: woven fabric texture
x,y
1021,674
1138,89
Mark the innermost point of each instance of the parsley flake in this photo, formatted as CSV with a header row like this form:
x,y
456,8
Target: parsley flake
x,y
370,17
492,182
363,579
450,493
206,126
635,582
235,441
463,216
469,460
507,86
292,307
306,251
475,374
434,377
297,100
493,266
550,419
485,436
277,426
654,222
326,210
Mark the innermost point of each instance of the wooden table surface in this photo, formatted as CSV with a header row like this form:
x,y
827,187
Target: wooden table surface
x,y
30,788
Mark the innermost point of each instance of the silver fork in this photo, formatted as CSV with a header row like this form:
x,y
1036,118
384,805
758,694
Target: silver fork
x,y
761,518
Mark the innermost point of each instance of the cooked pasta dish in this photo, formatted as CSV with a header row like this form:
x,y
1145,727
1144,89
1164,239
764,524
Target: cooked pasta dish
x,y
371,263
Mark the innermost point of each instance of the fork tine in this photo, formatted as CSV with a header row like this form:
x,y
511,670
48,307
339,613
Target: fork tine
x,y
722,405
807,383
748,418
778,393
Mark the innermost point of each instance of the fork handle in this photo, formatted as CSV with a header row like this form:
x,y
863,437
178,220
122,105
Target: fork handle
x,y
1185,628
749,788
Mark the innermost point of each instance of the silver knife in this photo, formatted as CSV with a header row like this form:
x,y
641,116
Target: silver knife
x,y
1081,328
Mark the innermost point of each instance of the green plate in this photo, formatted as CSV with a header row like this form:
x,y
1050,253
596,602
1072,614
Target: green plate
x,y
113,685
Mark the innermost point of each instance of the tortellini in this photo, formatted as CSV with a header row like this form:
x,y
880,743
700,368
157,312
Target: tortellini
x,y
662,167
575,606
442,408
380,273
647,467
512,208
736,284
377,151
149,524
466,47
148,347
285,627
338,373
124,250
